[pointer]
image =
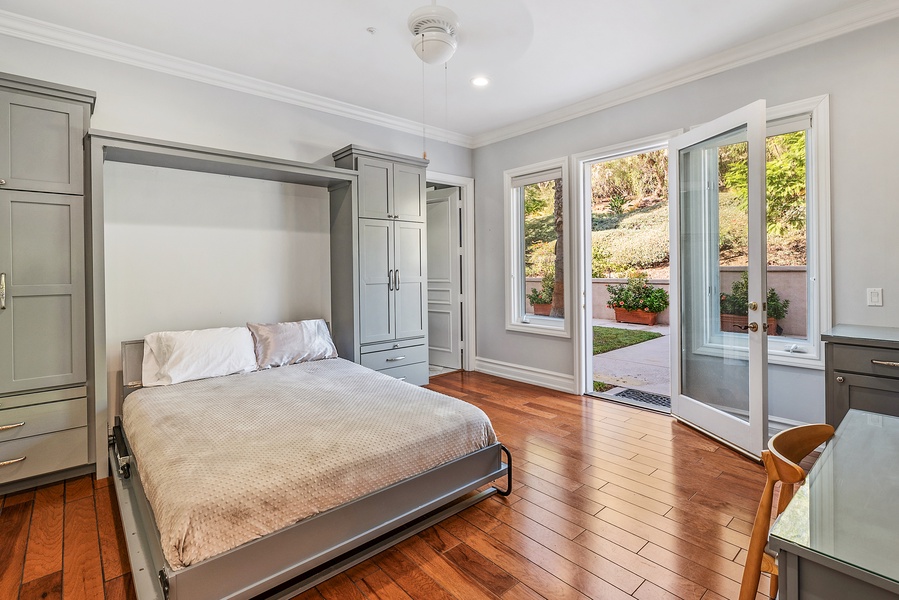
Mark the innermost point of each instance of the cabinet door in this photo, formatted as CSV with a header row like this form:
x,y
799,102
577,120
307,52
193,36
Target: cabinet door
x,y
375,188
410,279
42,327
863,392
41,144
376,310
409,199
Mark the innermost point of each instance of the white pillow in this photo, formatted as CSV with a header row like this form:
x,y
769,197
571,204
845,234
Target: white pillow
x,y
176,356
279,344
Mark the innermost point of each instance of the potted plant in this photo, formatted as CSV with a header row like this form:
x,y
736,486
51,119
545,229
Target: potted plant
x,y
735,307
542,298
637,301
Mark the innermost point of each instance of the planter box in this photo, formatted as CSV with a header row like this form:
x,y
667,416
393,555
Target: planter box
x,y
542,309
735,323
640,317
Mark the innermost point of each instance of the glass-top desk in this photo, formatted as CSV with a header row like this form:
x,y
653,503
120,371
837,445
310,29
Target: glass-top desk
x,y
839,536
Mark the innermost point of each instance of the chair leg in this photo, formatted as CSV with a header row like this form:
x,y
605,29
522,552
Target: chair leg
x,y
772,591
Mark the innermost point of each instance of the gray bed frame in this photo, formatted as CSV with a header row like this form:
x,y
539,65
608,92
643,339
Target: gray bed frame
x,y
286,562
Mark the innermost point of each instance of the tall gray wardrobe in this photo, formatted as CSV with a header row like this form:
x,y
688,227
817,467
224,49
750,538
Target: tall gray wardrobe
x,y
382,247
44,406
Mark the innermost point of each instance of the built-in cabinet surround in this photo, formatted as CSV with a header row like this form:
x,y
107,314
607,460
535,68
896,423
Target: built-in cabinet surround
x,y
390,263
45,408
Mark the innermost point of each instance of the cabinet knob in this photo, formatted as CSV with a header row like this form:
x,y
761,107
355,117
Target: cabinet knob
x,y
841,379
2,182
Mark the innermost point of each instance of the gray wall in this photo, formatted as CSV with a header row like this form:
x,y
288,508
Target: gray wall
x,y
858,70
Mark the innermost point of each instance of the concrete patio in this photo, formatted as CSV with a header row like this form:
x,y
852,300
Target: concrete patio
x,y
643,366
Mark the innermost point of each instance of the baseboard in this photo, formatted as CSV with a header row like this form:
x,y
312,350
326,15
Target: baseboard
x,y
531,375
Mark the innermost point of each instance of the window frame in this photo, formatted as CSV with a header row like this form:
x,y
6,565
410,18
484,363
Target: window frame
x,y
517,318
782,350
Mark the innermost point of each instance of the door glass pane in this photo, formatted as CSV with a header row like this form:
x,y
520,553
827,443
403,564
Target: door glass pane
x,y
714,360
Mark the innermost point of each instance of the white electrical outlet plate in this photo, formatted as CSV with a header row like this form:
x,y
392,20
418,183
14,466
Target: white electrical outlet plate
x,y
875,296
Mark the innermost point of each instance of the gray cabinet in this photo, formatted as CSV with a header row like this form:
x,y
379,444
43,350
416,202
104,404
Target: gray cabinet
x,y
45,410
862,370
41,144
390,262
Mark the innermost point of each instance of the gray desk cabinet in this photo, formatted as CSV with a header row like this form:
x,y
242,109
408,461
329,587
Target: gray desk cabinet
x,y
45,409
390,262
862,370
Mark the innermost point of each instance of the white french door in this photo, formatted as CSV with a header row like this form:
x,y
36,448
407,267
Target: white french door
x,y
718,371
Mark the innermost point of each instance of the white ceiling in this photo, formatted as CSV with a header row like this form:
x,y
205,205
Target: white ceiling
x,y
546,60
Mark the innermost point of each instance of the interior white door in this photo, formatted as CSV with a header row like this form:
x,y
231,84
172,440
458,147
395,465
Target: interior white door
x,y
718,378
444,279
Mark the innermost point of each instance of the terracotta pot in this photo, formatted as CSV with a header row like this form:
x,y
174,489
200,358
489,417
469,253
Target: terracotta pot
x,y
640,317
542,309
735,323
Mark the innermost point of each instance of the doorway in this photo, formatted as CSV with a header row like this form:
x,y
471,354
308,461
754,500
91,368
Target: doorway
x,y
444,279
451,314
628,279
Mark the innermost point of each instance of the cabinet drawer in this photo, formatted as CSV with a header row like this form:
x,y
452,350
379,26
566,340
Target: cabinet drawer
x,y
42,397
859,359
416,374
392,345
42,418
43,454
388,359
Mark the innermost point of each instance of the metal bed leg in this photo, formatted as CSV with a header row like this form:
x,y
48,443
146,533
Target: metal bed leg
x,y
508,489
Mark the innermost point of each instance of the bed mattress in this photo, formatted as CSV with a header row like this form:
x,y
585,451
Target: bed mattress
x,y
226,460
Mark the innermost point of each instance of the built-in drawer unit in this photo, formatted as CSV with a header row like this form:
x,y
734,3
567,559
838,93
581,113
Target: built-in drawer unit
x,y
39,454
403,359
42,433
862,370
395,357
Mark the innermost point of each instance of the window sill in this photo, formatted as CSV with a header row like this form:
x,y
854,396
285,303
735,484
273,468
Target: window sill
x,y
551,326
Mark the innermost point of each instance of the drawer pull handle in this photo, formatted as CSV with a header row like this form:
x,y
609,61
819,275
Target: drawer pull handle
x,y
396,358
885,363
401,378
6,463
11,426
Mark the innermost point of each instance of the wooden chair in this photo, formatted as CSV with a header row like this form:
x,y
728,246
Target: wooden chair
x,y
781,459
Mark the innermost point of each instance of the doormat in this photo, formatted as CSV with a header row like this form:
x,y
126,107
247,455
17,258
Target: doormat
x,y
646,398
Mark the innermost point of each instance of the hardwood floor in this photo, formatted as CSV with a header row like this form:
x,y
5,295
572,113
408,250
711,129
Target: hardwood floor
x,y
609,502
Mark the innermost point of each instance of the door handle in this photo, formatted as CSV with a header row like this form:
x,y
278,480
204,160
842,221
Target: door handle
x,y
390,280
2,291
751,327
396,279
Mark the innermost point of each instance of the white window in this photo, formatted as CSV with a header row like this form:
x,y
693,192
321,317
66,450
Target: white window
x,y
798,209
537,249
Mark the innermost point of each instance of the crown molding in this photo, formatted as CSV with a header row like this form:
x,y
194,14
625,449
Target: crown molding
x,y
823,28
820,29
49,34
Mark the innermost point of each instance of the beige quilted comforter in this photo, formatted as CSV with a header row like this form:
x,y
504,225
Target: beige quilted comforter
x,y
226,460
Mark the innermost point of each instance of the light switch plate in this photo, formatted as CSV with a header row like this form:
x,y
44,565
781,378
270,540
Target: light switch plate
x,y
875,296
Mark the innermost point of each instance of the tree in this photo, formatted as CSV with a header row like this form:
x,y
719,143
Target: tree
x,y
558,305
784,179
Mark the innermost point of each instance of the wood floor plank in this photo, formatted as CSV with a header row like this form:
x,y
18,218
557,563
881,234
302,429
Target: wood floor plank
x,y
44,554
451,578
82,576
14,521
480,569
79,487
415,582
340,587
48,587
378,585
522,592
121,588
113,549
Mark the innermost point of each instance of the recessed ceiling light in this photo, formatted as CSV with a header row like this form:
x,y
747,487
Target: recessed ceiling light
x,y
480,81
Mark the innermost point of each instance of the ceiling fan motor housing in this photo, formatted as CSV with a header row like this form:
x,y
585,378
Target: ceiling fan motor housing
x,y
434,28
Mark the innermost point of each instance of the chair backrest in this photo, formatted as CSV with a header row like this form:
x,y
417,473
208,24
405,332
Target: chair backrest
x,y
781,459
